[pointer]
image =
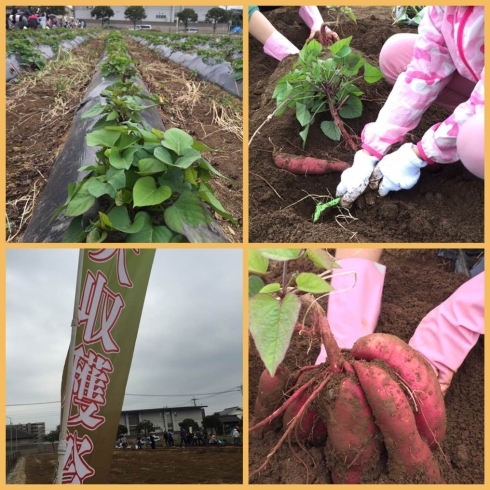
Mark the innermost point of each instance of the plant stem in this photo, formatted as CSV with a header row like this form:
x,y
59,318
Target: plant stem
x,y
340,124
285,278
322,329
334,356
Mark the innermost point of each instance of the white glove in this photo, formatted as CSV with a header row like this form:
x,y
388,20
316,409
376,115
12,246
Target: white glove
x,y
398,170
354,180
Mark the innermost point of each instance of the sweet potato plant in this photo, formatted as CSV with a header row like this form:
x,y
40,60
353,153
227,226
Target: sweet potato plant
x,y
325,84
146,185
376,408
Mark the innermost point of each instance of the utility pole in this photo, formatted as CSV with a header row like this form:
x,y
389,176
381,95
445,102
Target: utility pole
x,y
194,399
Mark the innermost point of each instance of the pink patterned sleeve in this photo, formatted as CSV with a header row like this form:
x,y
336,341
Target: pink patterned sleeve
x,y
439,143
415,89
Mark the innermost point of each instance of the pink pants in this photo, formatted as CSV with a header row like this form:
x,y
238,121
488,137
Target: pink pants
x,y
394,58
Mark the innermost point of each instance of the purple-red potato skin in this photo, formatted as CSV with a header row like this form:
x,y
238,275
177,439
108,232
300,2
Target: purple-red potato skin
x,y
407,452
352,433
308,165
310,427
415,372
269,397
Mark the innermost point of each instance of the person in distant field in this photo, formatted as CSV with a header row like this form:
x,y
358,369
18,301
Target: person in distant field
x,y
152,440
20,21
33,21
170,438
213,440
275,44
165,437
199,438
139,443
183,437
236,436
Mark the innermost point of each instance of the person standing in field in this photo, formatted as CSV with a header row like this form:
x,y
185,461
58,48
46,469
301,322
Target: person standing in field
x,y
170,438
236,436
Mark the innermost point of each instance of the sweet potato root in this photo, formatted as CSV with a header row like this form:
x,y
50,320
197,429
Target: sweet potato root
x,y
408,453
415,372
353,436
310,426
308,165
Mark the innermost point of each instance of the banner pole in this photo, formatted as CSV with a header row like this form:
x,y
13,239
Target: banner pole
x,y
69,376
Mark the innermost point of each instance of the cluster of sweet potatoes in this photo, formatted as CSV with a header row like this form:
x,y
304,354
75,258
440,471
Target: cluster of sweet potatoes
x,y
376,408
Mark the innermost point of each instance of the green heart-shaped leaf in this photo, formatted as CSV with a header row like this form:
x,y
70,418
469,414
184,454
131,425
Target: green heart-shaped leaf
x,y
271,324
177,140
146,192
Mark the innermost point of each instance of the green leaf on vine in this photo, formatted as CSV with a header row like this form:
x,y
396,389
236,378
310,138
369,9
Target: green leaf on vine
x,y
271,324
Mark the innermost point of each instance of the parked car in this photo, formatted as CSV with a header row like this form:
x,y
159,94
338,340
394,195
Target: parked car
x,y
192,30
143,27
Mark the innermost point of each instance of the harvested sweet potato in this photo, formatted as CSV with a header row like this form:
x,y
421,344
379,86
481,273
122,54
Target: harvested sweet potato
x,y
416,373
308,165
353,436
270,395
408,454
392,404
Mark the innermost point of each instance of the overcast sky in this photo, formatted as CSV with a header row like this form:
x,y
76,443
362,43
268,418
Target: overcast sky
x,y
189,340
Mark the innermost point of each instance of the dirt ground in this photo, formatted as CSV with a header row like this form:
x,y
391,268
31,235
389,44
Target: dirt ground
x,y
416,282
436,209
35,135
197,465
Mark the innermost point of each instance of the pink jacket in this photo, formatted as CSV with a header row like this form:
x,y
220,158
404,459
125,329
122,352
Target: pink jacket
x,y
450,38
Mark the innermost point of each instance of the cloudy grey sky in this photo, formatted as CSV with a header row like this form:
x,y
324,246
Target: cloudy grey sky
x,y
189,340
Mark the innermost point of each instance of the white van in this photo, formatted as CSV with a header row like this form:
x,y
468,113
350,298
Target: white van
x,y
143,27
191,30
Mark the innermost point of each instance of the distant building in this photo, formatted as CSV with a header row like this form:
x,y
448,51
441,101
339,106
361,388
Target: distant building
x,y
17,438
37,429
230,417
163,419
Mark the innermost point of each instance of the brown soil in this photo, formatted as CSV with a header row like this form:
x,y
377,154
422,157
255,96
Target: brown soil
x,y
34,139
163,465
188,105
435,210
415,283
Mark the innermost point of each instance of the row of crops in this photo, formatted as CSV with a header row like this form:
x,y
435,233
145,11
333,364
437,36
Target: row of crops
x,y
218,49
33,48
147,184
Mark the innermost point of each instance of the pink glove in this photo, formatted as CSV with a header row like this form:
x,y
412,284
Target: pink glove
x,y
311,17
353,311
446,335
279,47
